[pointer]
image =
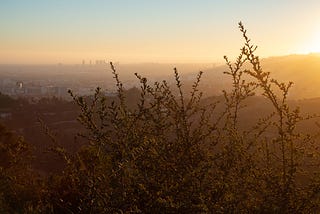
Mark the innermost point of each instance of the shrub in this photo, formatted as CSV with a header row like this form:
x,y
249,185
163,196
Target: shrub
x,y
19,188
175,152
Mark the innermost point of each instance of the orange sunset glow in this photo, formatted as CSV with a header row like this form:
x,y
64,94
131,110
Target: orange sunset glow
x,y
67,32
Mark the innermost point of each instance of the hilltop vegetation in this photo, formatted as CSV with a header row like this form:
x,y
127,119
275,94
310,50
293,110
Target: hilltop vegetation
x,y
177,152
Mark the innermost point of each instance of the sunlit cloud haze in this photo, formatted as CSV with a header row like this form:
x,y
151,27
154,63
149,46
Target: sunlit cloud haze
x,y
68,31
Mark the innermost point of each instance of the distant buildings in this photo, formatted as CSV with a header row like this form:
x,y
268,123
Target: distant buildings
x,y
101,62
97,62
21,89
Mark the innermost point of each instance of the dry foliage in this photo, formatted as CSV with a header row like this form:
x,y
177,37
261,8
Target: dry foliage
x,y
175,153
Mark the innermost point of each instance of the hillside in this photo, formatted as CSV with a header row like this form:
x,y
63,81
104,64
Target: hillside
x,y
302,70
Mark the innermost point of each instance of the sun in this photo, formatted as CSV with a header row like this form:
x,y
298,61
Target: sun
x,y
312,44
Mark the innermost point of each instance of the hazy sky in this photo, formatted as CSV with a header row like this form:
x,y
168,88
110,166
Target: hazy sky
x,y
67,31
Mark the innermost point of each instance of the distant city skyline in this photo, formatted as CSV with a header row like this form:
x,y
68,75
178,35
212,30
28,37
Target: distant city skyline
x,y
48,32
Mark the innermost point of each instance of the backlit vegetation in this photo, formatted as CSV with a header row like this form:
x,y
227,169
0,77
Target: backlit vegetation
x,y
175,152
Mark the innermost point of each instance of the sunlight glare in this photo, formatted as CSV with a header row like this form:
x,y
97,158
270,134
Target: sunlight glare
x,y
312,44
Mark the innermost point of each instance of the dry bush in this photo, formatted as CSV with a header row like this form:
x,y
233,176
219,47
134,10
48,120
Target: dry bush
x,y
177,153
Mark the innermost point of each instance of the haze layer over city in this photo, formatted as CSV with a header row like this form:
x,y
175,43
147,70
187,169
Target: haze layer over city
x,y
69,44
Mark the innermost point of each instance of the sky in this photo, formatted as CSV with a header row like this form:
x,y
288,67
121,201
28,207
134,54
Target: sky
x,y
134,31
